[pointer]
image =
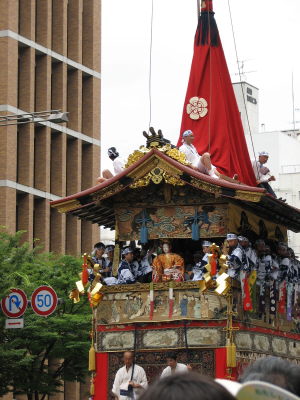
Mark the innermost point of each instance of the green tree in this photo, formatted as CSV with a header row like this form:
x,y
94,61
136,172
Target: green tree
x,y
36,359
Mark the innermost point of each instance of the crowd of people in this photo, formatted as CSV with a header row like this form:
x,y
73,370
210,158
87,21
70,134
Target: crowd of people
x,y
269,267
272,262
269,377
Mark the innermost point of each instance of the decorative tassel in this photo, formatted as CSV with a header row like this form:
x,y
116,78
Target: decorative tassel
x,y
92,389
92,359
144,229
289,307
273,292
92,386
195,226
171,299
230,354
151,301
212,259
247,301
282,298
207,32
85,273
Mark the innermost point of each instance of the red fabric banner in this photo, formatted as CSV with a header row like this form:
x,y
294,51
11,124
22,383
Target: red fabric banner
x,y
247,301
101,378
282,298
220,362
210,108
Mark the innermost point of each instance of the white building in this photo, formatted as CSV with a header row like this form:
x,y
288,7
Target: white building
x,y
284,150
247,97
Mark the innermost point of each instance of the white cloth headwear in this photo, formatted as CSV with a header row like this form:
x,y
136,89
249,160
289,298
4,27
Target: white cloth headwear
x,y
127,250
187,133
206,243
263,153
243,238
231,236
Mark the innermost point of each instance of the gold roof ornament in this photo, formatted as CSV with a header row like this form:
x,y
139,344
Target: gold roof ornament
x,y
156,140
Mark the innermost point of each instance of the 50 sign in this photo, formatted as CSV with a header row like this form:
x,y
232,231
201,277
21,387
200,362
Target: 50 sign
x,y
44,300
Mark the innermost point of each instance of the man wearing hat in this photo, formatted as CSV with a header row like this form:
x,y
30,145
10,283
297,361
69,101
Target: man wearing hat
x,y
109,251
237,257
199,269
262,173
249,251
97,258
200,163
126,268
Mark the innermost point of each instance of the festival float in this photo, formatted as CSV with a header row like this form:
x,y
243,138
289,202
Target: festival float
x,y
217,324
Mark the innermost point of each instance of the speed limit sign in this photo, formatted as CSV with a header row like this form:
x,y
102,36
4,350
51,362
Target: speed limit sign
x,y
44,300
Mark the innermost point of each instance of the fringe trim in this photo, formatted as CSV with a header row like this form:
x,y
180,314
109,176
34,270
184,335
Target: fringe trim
x,y
207,30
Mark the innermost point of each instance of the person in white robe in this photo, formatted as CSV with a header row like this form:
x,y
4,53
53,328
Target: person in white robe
x,y
125,377
173,367
200,163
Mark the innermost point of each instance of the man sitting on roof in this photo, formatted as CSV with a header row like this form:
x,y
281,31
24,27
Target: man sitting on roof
x,y
118,165
200,163
262,173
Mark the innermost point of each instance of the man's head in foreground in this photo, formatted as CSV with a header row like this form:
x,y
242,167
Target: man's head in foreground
x,y
189,386
274,370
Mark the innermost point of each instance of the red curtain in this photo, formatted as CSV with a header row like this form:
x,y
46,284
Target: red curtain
x,y
101,378
220,360
220,131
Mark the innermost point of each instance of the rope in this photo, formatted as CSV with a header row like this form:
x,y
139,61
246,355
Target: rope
x,y
150,66
186,342
240,76
210,84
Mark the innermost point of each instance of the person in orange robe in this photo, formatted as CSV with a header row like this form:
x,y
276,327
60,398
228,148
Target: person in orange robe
x,y
168,266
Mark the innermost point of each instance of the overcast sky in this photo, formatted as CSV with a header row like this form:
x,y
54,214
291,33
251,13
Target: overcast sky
x,y
267,35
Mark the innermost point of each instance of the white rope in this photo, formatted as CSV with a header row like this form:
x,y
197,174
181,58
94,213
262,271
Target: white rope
x,y
210,82
150,67
240,76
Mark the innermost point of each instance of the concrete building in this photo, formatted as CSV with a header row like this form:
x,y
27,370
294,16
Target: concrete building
x,y
247,97
49,59
283,147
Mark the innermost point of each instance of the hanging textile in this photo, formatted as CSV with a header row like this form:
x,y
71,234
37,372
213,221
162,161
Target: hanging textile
x,y
210,108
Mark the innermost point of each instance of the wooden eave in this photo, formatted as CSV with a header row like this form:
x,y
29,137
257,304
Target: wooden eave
x,y
90,204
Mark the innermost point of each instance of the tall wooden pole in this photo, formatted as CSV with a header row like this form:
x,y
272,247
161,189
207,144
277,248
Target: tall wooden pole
x,y
198,8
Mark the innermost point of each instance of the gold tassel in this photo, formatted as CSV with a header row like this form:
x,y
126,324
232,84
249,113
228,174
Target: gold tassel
x,y
92,388
233,355
230,354
92,359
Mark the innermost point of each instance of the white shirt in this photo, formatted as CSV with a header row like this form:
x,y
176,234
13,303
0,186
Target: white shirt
x,y
180,369
191,153
119,165
123,377
256,165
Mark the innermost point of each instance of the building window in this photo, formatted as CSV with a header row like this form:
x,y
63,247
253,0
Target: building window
x,y
251,100
249,91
